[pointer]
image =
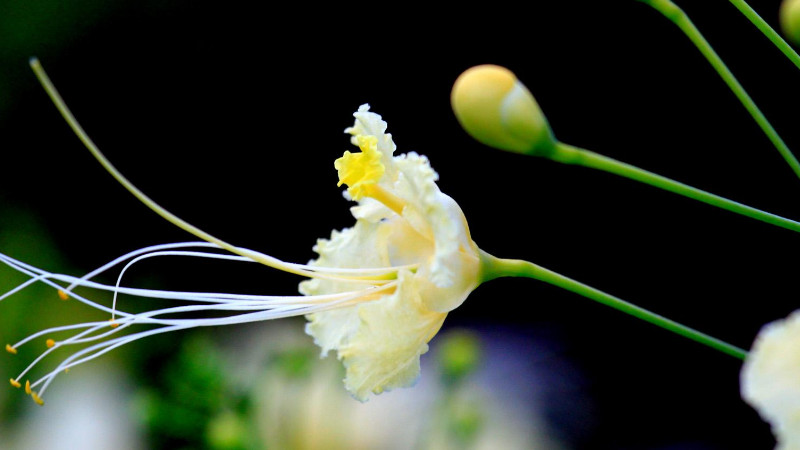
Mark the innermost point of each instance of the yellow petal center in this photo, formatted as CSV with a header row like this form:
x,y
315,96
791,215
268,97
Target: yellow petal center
x,y
361,170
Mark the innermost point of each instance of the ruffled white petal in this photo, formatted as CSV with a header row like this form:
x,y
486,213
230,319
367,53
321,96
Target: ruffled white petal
x,y
384,352
371,124
360,247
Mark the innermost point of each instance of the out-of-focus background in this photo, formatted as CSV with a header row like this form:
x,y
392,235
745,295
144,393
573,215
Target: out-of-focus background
x,y
231,117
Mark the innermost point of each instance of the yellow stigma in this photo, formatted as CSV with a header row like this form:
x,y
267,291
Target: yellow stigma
x,y
790,20
495,108
63,295
37,399
50,343
15,383
360,170
11,349
28,387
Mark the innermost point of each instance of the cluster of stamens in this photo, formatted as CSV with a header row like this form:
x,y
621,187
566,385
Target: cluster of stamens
x,y
100,337
361,172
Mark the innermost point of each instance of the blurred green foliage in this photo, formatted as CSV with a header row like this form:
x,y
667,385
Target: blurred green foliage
x,y
197,401
34,308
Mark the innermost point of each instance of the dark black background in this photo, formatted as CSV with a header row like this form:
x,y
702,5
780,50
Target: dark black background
x,y
231,116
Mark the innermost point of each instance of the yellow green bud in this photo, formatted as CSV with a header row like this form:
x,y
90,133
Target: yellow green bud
x,y
790,20
498,110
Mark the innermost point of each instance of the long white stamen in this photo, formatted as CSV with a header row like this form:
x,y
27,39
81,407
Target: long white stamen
x,y
104,347
199,255
22,286
94,327
43,276
266,308
56,330
298,302
203,244
173,295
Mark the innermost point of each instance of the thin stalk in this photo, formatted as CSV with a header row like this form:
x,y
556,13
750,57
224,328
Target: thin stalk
x,y
679,17
569,154
768,31
497,267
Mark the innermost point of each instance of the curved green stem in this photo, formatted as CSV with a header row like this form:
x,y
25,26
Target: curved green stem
x,y
569,154
768,31
52,92
496,267
677,16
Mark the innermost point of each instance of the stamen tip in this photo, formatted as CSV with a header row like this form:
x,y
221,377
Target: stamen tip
x,y
37,399
62,294
28,387
11,349
15,383
50,343
113,323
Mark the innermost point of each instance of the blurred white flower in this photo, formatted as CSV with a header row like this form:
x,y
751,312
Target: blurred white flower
x,y
90,413
770,379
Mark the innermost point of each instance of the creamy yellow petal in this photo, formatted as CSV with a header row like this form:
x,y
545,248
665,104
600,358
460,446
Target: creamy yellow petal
x,y
355,247
438,217
395,330
370,124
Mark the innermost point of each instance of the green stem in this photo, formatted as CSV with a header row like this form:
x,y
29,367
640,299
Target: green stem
x,y
573,155
768,31
677,16
496,267
52,92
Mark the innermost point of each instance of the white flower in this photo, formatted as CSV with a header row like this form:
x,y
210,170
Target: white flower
x,y
770,379
402,220
377,294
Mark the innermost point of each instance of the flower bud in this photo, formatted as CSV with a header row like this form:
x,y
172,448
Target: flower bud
x,y
498,110
790,20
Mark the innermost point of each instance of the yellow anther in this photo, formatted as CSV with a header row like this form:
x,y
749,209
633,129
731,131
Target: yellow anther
x,y
113,324
28,387
63,295
360,170
495,108
11,349
37,399
15,383
50,343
